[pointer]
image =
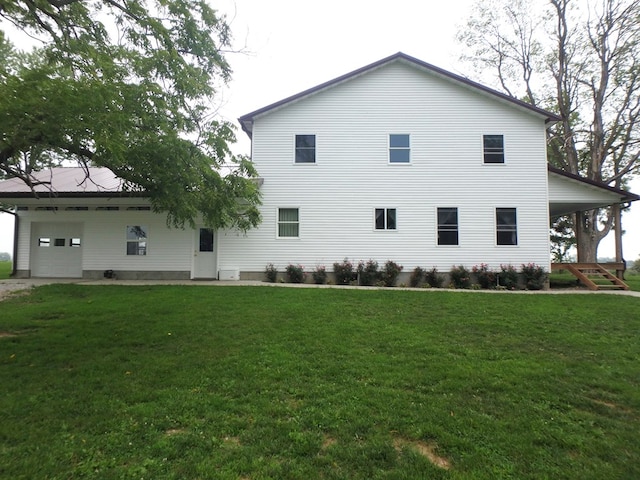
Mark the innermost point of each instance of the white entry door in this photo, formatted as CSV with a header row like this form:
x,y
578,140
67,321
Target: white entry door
x,y
56,250
204,255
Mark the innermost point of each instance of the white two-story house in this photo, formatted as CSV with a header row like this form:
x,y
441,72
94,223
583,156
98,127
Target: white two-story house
x,y
399,160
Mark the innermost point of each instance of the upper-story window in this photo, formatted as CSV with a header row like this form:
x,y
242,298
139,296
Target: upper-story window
x,y
305,149
385,218
506,226
493,148
448,226
399,148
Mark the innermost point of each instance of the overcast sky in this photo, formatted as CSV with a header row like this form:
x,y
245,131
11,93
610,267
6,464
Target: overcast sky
x,y
289,46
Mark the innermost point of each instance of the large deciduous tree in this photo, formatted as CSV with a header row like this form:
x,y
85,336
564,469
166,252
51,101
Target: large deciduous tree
x,y
581,60
128,85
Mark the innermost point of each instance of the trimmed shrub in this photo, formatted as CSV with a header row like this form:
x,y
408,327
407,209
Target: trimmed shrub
x,y
390,273
486,278
368,273
508,277
295,273
535,276
344,272
460,277
417,277
433,278
271,272
319,275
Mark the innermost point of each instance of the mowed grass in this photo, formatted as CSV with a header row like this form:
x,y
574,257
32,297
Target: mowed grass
x,y
5,270
199,382
566,280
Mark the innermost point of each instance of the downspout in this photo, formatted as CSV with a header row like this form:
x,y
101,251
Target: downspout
x,y
14,258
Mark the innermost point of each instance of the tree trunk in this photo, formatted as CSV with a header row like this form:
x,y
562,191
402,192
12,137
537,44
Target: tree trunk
x,y
589,236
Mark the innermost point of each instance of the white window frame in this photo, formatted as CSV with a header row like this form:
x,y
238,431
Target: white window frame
x,y
448,245
390,148
278,222
386,219
507,245
138,241
315,148
504,149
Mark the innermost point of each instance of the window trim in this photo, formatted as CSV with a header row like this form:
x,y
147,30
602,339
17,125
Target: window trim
x,y
457,227
502,151
514,228
140,240
278,222
295,148
385,219
390,149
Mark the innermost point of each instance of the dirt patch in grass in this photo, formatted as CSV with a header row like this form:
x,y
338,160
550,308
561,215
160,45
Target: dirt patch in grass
x,y
7,334
174,431
611,405
427,450
328,442
232,442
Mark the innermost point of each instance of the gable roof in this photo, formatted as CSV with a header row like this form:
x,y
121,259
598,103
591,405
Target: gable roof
x,y
67,182
246,121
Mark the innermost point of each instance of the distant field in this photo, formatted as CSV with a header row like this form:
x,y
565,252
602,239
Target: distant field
x,y
195,382
5,269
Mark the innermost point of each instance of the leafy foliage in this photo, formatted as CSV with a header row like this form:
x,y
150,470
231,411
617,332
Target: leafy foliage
x,y
485,276
368,273
390,273
344,272
271,273
319,275
295,273
535,276
127,86
579,60
460,277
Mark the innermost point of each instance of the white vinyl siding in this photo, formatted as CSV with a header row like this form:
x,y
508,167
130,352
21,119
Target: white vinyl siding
x,y
354,120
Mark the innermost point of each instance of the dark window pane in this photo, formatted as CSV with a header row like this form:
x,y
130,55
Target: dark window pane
x,y
493,148
391,219
398,155
206,240
379,218
447,237
305,148
59,242
136,232
399,141
506,226
447,226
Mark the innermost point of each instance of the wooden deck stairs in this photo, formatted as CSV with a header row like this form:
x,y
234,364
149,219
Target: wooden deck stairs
x,y
592,275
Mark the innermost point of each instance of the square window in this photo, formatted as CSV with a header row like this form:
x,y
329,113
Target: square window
x,y
288,222
506,226
493,146
305,149
399,148
385,218
44,242
447,226
136,240
74,242
59,242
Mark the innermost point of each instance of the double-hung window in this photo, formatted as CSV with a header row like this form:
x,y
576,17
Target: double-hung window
x,y
385,218
448,226
288,223
493,148
305,149
399,148
136,240
506,226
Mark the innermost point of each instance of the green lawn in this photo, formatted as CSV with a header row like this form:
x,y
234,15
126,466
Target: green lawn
x,y
195,382
5,270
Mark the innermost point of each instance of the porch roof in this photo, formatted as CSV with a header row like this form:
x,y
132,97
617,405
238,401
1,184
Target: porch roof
x,y
569,193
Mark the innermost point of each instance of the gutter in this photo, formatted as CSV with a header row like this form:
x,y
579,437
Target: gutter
x,y
14,258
